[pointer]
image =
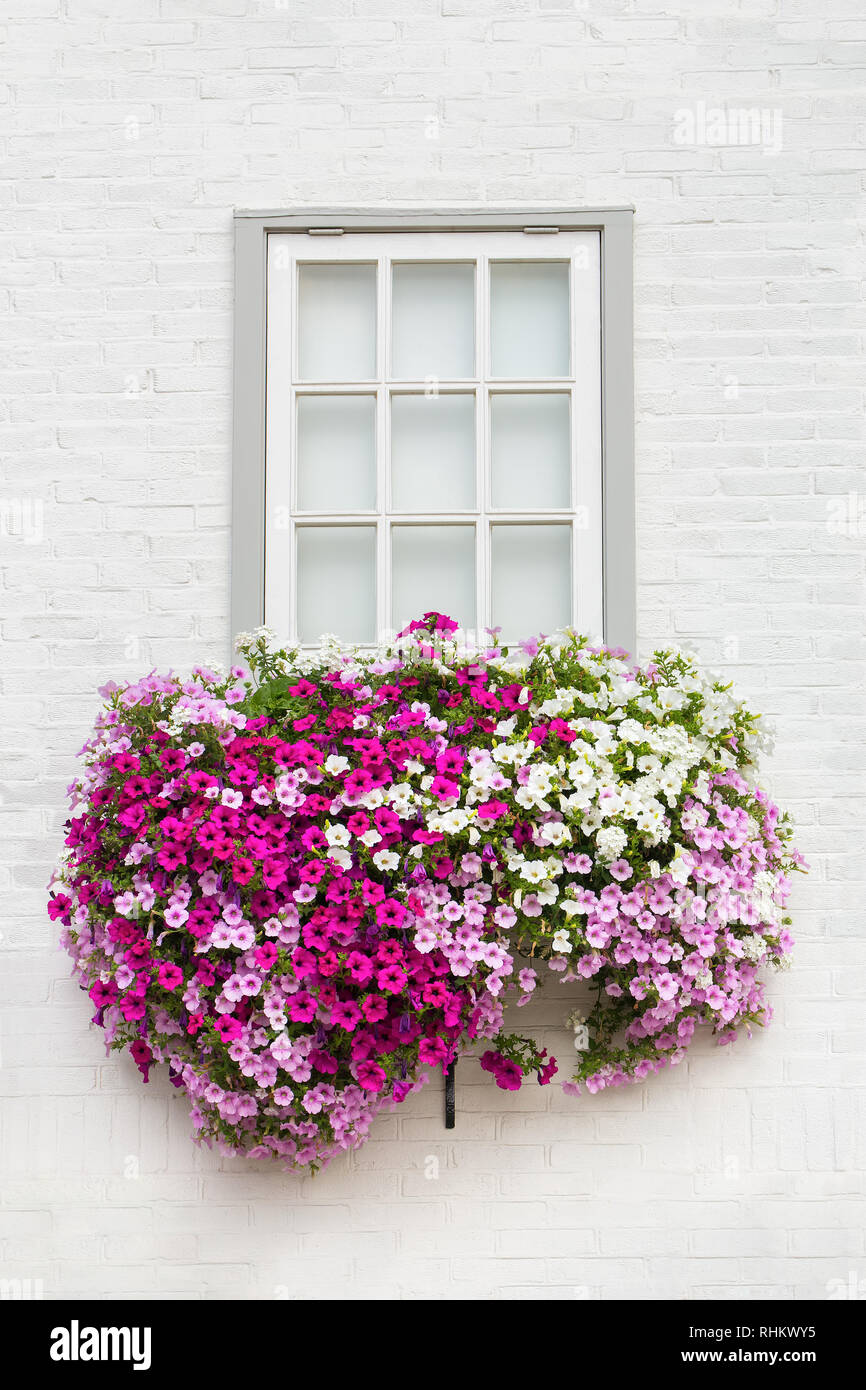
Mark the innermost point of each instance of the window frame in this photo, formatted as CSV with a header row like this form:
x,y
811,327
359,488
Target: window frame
x,y
615,227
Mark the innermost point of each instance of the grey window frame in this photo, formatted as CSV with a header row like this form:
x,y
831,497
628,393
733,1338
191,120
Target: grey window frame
x,y
615,226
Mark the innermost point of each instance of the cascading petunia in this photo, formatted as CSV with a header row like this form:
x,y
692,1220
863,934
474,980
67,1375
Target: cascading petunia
x,y
301,885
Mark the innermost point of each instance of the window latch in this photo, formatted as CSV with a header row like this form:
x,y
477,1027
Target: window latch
x,y
540,231
324,231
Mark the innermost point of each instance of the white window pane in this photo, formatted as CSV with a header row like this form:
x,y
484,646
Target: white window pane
x,y
531,450
336,453
336,582
433,453
529,318
531,579
336,322
433,315
433,567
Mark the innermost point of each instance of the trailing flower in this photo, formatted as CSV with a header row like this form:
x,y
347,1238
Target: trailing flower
x,y
300,887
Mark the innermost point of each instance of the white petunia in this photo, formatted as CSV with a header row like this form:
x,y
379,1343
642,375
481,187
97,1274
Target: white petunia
x,y
386,860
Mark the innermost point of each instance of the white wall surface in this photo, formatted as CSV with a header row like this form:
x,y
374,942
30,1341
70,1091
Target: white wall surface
x,y
130,131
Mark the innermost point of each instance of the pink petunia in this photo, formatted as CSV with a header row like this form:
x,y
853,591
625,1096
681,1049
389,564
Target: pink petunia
x,y
371,1076
169,975
392,979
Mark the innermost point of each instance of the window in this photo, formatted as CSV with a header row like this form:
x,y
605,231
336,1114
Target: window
x,y
423,420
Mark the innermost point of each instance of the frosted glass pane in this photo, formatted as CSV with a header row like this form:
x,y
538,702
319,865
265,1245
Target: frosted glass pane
x,y
529,318
433,567
432,453
531,579
433,314
531,451
336,580
336,453
336,322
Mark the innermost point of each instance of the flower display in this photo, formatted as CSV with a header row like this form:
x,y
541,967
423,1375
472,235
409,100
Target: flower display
x,y
303,883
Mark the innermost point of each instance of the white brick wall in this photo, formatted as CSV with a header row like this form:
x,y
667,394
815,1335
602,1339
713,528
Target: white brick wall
x,y
131,128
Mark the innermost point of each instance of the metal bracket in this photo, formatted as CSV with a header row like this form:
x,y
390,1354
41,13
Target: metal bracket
x,y
449,1096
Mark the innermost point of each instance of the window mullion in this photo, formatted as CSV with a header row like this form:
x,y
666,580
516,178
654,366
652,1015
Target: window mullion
x,y
482,369
383,537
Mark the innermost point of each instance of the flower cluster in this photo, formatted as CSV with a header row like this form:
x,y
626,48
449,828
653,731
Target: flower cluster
x,y
301,887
